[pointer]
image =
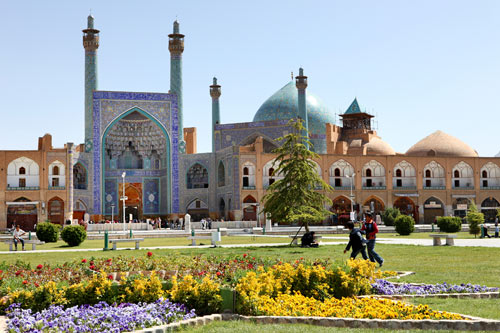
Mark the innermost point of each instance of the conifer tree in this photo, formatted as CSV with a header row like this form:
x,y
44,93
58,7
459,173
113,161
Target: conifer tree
x,y
294,198
475,218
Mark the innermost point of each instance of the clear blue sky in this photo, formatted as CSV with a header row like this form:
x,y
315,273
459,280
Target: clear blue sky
x,y
419,66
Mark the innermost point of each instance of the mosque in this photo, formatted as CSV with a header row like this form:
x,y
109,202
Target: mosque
x,y
139,160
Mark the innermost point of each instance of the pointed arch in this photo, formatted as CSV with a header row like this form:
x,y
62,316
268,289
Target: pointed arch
x,y
221,174
80,176
373,175
434,176
198,209
490,176
197,176
55,210
462,175
374,204
248,175
404,175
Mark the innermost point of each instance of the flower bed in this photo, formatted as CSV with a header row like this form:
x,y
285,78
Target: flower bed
x,y
368,308
98,318
383,287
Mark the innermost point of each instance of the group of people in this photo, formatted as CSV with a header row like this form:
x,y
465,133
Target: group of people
x,y
359,244
485,230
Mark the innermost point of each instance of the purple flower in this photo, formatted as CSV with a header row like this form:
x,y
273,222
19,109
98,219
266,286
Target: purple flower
x,y
384,287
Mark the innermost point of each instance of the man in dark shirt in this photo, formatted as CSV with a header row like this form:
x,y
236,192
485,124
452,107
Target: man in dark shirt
x,y
308,240
356,241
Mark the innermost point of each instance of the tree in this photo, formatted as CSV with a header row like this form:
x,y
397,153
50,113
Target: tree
x,y
389,215
475,218
294,199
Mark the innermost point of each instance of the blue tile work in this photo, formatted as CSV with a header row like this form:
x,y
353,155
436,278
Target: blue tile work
x,y
283,105
90,86
236,180
110,195
234,134
151,195
84,196
108,106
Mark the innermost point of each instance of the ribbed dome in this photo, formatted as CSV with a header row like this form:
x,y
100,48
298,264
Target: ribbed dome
x,y
441,144
377,146
283,105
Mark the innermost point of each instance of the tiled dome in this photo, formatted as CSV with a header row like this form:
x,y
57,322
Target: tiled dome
x,y
283,105
441,144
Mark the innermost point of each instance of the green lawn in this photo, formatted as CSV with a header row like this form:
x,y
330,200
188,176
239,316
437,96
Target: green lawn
x,y
152,242
241,326
484,308
425,235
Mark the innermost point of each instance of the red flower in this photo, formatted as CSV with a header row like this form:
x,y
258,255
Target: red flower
x,y
18,273
150,254
250,266
84,261
92,267
1,271
253,258
235,260
109,260
40,266
219,273
244,255
91,262
37,285
296,261
25,282
110,277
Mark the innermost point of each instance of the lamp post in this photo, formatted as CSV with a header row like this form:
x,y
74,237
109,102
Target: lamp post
x,y
123,199
112,213
351,196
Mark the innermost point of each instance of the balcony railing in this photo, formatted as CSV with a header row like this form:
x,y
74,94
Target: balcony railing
x,y
490,187
374,187
412,187
57,187
470,187
343,188
249,187
434,187
24,188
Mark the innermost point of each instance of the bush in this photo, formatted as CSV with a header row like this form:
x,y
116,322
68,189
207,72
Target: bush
x,y
405,225
47,232
389,215
449,223
203,296
74,235
475,218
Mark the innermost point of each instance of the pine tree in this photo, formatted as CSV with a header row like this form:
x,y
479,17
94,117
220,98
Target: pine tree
x,y
293,198
475,218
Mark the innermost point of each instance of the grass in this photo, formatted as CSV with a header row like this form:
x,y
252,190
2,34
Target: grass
x,y
242,326
152,242
425,235
484,308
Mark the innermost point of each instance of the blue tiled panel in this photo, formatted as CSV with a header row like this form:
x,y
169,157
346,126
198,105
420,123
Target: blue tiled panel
x,y
151,196
110,195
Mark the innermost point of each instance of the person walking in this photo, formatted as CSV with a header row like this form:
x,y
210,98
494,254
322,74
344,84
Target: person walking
x,y
496,227
356,242
371,229
18,233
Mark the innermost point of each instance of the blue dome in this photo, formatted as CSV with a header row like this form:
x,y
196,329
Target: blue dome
x,y
283,105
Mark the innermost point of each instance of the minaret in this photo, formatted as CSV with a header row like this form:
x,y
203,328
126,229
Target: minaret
x,y
301,84
90,44
215,93
176,47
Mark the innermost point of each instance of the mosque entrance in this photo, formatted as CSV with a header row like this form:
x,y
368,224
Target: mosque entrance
x,y
406,206
133,203
23,212
433,207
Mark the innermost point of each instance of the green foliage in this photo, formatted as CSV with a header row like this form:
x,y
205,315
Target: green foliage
x,y
405,225
389,215
449,223
74,235
475,218
47,232
294,199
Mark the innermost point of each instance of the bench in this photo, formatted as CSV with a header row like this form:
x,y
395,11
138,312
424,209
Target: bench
x,y
317,239
124,240
214,238
33,242
437,239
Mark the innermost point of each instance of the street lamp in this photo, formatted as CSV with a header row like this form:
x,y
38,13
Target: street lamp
x,y
112,213
351,196
123,199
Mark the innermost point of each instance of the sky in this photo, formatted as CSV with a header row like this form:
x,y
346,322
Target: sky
x,y
418,66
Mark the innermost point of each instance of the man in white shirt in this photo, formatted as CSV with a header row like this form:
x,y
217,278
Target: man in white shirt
x,y
18,233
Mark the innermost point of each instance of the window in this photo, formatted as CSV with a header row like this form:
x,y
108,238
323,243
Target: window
x,y
22,171
221,175
399,182
485,183
271,172
245,182
428,173
245,171
157,164
457,183
368,181
338,182
368,173
428,183
398,173
197,177
22,182
337,172
55,170
79,177
55,182
456,174
485,174
271,181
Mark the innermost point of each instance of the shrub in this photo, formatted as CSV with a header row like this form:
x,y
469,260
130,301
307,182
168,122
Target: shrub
x,y
404,224
449,223
389,215
475,218
47,232
74,235
204,297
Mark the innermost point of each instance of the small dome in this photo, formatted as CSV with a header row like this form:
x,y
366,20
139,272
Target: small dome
x,y
283,105
441,144
377,146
